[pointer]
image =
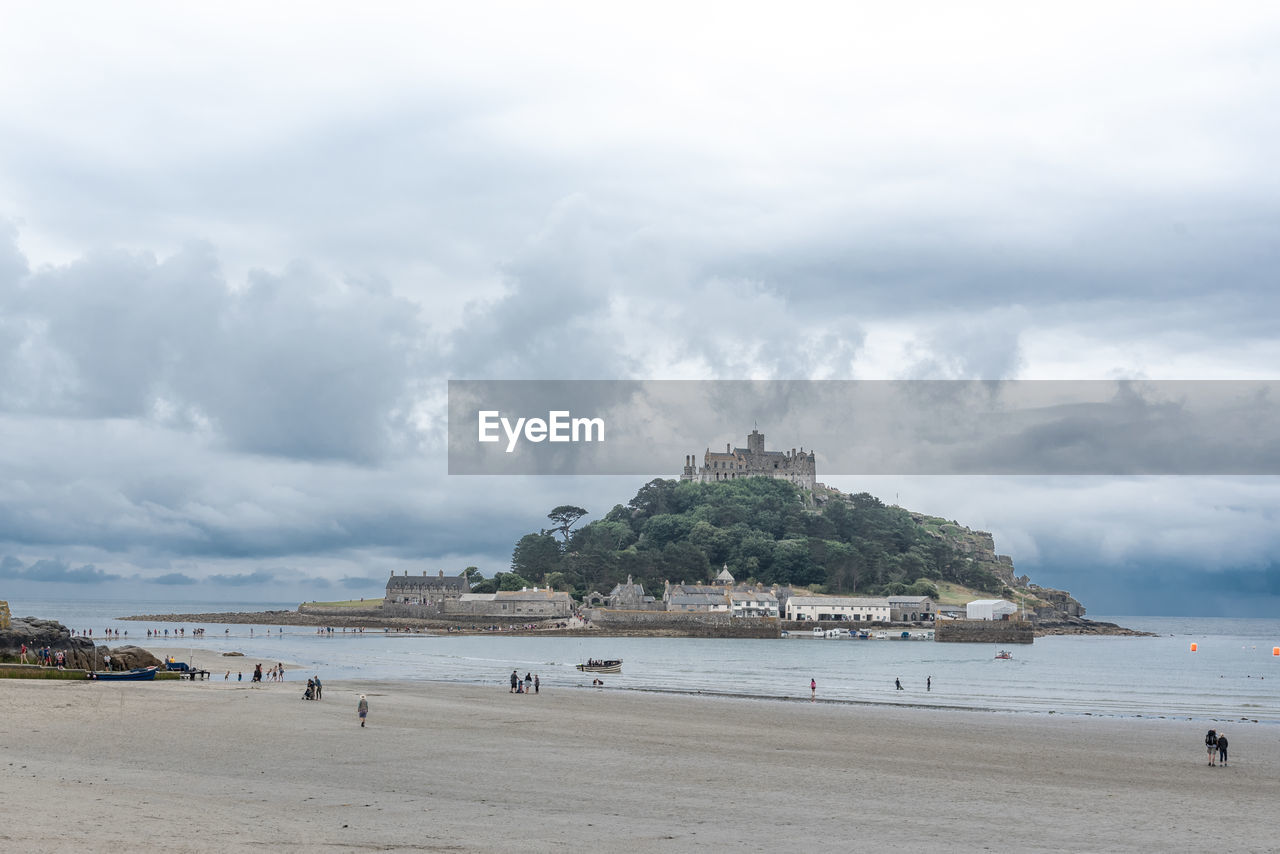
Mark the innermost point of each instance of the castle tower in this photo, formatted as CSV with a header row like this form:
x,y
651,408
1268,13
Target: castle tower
x,y
755,443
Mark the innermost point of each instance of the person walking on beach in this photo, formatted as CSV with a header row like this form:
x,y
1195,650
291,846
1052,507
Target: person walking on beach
x,y
813,689
319,688
897,683
1211,743
528,683
928,683
515,680
362,709
1222,748
537,685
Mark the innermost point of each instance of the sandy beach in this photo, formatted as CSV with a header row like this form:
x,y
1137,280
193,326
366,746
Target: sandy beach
x,y
220,766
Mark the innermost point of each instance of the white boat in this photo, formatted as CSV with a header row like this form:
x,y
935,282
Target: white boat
x,y
819,633
836,633
881,635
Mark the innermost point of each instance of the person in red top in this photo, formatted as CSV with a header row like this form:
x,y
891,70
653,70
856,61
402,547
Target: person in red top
x,y
23,657
813,689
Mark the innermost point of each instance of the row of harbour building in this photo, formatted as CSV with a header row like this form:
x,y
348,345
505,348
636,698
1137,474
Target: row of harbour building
x,y
451,596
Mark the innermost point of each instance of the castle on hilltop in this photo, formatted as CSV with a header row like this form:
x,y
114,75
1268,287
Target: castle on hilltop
x,y
753,461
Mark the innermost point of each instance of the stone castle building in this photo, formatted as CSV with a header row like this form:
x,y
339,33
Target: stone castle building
x,y
753,461
425,590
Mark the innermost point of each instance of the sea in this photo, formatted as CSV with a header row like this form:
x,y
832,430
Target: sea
x,y
1232,674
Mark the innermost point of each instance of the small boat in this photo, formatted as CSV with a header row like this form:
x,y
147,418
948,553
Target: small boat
x,y
137,674
610,665
1004,654
837,633
784,634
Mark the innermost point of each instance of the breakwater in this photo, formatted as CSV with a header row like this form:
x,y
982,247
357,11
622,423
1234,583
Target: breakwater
x,y
984,631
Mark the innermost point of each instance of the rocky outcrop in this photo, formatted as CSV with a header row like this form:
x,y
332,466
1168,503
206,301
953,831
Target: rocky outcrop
x,y
1081,626
80,653
129,657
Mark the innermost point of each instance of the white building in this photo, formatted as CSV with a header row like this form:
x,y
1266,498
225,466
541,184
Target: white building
x,y
990,609
707,603
862,610
752,603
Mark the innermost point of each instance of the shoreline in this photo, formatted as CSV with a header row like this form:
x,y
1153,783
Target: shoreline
x,y
247,662
1078,626
473,768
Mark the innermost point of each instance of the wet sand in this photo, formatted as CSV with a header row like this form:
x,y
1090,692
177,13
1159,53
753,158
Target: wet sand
x,y
214,766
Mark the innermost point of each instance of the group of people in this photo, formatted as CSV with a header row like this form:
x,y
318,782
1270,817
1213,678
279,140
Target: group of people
x,y
530,684
314,689
275,674
44,655
1216,742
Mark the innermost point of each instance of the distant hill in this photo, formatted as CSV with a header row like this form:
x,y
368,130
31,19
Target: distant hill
x,y
769,531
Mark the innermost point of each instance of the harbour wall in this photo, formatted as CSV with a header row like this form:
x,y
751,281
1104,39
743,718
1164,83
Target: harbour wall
x,y
674,623
984,631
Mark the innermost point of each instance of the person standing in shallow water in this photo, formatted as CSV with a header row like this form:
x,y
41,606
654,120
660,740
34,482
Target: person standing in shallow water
x,y
362,709
813,689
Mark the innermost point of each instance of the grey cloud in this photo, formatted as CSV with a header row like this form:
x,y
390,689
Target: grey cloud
x,y
260,576
175,578
54,571
352,582
295,365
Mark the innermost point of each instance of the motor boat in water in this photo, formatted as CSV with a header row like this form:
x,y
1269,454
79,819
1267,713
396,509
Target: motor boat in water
x,y
599,665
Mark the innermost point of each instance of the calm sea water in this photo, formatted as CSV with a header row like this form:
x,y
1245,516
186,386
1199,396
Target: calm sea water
x,y
1232,675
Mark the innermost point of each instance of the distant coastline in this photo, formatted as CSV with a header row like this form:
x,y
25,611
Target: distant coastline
x,y
373,620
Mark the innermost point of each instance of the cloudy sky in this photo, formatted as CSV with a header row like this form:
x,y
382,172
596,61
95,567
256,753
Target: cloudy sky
x,y
242,250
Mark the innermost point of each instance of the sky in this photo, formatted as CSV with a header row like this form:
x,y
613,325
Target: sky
x,y
243,249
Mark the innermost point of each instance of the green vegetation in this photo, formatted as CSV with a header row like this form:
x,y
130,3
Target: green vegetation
x,y
24,672
350,603
761,528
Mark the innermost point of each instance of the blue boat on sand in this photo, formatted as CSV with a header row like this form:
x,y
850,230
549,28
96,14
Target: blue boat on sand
x,y
138,674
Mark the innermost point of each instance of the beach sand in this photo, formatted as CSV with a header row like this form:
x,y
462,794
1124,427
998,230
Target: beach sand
x,y
214,766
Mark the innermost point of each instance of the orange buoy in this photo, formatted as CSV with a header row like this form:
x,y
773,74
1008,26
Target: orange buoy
x,y
1275,650
1193,647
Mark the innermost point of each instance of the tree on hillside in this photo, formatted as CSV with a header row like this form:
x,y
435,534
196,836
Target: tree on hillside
x,y
536,555
472,575
565,517
512,581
